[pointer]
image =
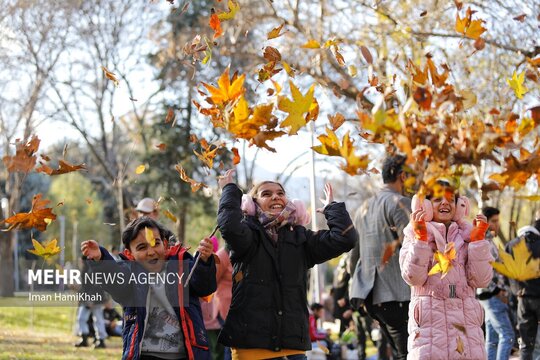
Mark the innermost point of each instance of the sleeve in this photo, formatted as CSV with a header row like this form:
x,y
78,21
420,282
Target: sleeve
x,y
401,215
236,233
203,281
314,334
478,268
355,252
324,245
414,259
119,270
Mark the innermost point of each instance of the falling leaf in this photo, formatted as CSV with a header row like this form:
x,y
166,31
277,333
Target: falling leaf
x,y
423,13
39,216
236,158
520,18
162,147
24,159
520,265
460,347
443,260
312,44
336,121
461,328
63,168
50,249
109,75
332,146
149,235
479,44
89,201
389,251
226,91
215,24
170,116
229,15
275,32
288,69
194,185
140,169
170,215
352,70
366,54
516,83
296,108
271,54
472,29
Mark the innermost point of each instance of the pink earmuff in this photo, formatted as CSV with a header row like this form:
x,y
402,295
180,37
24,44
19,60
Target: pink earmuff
x,y
425,205
248,205
463,208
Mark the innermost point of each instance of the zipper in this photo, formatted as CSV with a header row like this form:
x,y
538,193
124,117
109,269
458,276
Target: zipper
x,y
145,320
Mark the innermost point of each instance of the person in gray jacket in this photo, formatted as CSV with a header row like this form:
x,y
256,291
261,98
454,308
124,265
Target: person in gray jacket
x,y
378,285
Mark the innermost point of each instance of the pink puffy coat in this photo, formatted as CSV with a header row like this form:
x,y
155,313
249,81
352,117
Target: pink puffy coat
x,y
444,317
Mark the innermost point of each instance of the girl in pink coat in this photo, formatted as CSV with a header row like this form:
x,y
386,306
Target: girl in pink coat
x,y
444,259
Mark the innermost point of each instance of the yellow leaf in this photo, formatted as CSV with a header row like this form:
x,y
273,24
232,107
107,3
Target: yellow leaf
x,y
460,348
275,32
470,28
170,215
226,91
520,265
229,15
526,126
331,146
288,69
50,249
296,108
312,44
444,260
149,234
352,70
140,169
516,83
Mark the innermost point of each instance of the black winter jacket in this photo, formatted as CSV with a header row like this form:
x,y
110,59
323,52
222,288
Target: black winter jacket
x,y
269,307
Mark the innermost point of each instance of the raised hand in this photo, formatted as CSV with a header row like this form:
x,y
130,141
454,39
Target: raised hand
x,y
225,179
205,249
329,193
419,224
90,249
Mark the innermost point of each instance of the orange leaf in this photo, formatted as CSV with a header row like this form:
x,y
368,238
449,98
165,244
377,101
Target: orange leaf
x,y
170,116
24,159
38,217
226,91
472,29
215,24
194,185
162,147
389,251
460,348
63,168
109,75
336,121
236,159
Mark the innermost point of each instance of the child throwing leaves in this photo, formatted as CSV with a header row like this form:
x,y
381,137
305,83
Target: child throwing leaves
x,y
162,317
271,251
444,259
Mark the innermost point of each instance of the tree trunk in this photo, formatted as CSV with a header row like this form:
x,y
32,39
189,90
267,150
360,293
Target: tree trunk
x,y
7,242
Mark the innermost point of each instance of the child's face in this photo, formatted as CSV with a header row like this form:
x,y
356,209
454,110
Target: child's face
x,y
152,258
271,198
444,207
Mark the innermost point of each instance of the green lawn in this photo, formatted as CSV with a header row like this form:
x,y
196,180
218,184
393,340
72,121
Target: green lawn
x,y
46,333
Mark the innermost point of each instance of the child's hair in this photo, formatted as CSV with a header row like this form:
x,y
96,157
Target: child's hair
x,y
316,307
133,228
255,188
446,184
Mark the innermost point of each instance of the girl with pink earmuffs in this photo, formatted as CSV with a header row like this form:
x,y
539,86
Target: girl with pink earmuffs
x,y
271,252
444,259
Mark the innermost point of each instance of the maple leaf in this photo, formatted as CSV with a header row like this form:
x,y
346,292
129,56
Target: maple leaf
x,y
516,83
331,146
336,120
50,249
226,91
444,260
296,108
194,185
312,44
63,168
460,347
229,15
24,159
207,155
215,24
111,76
149,235
520,265
262,137
39,216
472,29
275,32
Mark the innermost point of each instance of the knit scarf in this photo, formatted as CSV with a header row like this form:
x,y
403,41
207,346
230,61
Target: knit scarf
x,y
272,223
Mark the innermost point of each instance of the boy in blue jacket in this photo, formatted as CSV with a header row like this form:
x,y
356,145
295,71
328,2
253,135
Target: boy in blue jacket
x,y
162,318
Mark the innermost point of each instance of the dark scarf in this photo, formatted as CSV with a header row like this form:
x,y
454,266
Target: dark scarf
x,y
272,223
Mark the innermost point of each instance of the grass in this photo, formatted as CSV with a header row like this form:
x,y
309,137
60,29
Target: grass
x,y
46,333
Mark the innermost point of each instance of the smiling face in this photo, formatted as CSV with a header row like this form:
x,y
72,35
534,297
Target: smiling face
x,y
152,258
444,208
271,198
